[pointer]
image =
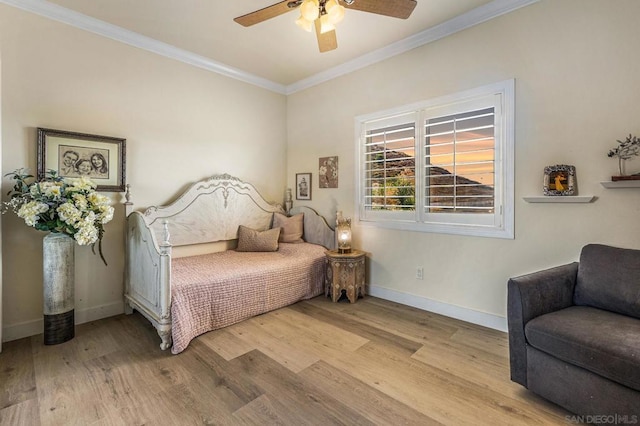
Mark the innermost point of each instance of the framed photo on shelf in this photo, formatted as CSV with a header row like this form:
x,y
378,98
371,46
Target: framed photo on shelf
x,y
303,186
70,154
559,180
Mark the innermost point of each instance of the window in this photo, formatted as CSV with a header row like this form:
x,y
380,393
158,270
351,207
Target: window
x,y
444,165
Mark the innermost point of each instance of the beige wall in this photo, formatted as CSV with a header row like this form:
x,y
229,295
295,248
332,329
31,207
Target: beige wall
x,y
181,123
577,71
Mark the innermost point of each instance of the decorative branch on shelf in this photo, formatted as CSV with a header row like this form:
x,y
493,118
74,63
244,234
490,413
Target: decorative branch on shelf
x,y
625,150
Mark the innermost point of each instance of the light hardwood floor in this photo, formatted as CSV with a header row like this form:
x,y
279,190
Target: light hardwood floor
x,y
313,363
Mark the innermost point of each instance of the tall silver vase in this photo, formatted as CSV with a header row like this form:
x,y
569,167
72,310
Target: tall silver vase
x,y
58,252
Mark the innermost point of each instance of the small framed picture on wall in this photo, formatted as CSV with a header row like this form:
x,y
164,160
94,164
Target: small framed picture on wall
x,y
328,172
559,180
303,186
74,155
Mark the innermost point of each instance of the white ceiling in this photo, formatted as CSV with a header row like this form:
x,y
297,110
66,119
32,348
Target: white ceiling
x,y
275,54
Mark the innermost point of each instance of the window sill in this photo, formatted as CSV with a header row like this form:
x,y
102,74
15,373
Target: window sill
x,y
505,231
560,199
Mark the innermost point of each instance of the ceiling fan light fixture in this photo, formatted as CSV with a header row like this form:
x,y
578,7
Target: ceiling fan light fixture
x,y
310,10
304,24
325,24
325,14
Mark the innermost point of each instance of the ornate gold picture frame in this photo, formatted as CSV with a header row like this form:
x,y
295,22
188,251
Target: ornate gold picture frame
x,y
559,180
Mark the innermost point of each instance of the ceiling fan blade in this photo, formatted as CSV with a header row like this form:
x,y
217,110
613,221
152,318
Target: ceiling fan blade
x,y
395,8
266,13
326,41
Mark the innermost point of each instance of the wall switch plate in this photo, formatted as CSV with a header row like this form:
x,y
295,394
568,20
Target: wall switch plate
x,y
419,273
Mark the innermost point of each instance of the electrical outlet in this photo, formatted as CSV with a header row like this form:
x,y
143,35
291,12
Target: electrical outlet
x,y
419,273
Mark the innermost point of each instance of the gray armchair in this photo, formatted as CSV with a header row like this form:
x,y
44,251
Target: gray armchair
x,y
574,333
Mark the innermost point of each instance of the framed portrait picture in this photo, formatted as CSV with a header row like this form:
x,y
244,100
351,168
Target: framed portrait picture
x,y
559,180
100,158
328,172
303,186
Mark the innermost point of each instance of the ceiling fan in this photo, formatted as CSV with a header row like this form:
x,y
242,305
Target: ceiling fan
x,y
324,14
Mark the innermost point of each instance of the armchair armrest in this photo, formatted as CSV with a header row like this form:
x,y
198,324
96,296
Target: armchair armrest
x,y
530,296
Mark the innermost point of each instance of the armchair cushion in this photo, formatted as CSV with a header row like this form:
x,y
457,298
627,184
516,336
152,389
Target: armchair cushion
x,y
608,279
602,342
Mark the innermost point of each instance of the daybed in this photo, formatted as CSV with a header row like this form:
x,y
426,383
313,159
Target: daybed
x,y
187,295
574,334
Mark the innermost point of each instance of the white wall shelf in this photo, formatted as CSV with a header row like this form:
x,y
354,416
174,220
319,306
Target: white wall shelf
x,y
559,199
621,184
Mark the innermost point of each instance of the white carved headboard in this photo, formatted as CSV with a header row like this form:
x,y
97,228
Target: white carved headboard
x,y
211,210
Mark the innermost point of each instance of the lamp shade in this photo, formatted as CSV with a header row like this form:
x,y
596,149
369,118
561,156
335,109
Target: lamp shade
x,y
304,24
335,11
310,9
343,233
325,24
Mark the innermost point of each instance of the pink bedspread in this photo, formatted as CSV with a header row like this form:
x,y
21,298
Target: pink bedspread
x,y
216,290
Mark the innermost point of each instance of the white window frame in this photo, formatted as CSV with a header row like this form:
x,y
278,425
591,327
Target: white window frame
x,y
499,224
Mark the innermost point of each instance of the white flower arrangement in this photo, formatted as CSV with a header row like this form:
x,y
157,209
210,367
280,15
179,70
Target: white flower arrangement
x,y
70,206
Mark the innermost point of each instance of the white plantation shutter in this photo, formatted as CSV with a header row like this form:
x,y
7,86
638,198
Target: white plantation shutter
x,y
444,165
390,167
459,162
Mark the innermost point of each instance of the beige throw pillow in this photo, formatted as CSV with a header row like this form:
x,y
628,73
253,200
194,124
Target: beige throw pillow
x,y
292,227
252,240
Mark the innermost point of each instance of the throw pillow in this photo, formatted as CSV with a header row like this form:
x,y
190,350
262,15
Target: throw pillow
x,y
292,227
252,240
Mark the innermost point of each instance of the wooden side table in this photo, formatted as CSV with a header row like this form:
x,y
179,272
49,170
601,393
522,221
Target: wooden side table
x,y
345,271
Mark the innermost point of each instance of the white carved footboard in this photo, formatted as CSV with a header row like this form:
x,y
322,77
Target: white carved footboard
x,y
148,276
316,228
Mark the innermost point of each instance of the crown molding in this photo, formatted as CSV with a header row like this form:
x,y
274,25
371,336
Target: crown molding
x,y
474,17
96,26
462,22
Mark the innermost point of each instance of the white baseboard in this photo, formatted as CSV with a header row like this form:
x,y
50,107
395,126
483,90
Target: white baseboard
x,y
464,314
36,326
31,328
